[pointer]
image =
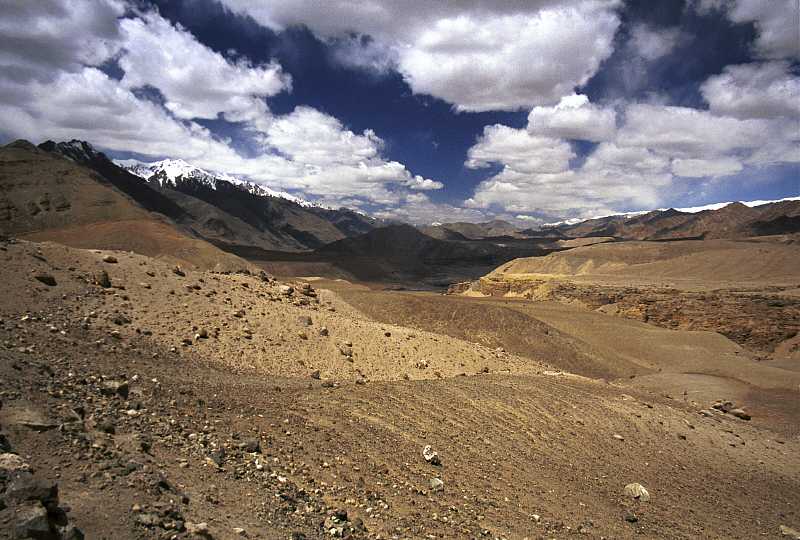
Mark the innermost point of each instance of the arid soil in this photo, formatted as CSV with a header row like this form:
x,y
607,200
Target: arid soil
x,y
746,291
209,405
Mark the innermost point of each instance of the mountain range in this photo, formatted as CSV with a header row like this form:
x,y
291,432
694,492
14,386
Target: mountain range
x,y
732,221
218,208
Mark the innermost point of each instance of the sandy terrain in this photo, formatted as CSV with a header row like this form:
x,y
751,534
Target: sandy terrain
x,y
269,426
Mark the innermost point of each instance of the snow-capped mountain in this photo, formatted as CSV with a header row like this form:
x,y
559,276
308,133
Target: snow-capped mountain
x,y
168,172
689,210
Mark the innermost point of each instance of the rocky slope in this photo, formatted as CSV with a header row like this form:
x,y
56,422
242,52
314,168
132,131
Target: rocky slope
x,y
746,291
219,207
732,221
185,404
46,197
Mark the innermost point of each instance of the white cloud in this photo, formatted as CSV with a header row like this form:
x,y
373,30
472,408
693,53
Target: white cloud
x,y
519,150
573,118
655,147
697,168
691,133
767,90
195,81
306,149
652,44
776,22
40,39
477,55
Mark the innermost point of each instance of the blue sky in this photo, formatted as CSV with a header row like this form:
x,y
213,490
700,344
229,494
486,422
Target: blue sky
x,y
525,110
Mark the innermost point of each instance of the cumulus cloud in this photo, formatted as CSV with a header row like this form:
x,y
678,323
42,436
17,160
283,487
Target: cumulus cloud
x,y
477,55
652,44
775,22
195,81
519,150
304,150
38,40
698,168
656,149
574,117
766,90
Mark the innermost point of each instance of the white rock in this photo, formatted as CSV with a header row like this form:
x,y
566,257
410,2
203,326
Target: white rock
x,y
431,456
637,491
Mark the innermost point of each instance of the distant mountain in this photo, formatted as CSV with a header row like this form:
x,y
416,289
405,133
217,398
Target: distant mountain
x,y
472,231
221,208
172,172
44,197
723,220
402,252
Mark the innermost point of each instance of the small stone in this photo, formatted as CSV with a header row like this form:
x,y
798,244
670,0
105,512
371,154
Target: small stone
x,y
431,456
304,321
31,521
47,279
286,290
630,517
112,388
788,532
618,437
315,374
198,529
739,413
323,331
178,272
436,484
102,279
251,446
110,259
637,491
12,463
239,531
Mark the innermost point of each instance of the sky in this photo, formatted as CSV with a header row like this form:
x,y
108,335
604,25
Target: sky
x,y
527,110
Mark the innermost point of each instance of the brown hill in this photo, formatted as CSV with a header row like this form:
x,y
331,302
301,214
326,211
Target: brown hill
x,y
733,221
44,196
223,212
472,231
404,253
183,399
686,260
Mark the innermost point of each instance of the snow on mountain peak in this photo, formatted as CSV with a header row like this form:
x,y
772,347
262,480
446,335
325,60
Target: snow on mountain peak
x,y
168,172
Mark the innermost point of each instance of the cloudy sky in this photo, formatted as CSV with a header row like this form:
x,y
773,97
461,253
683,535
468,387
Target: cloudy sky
x,y
532,110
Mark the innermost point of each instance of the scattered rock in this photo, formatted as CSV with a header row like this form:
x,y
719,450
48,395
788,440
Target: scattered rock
x,y
32,521
286,290
251,446
436,484
637,491
47,279
630,517
12,463
102,279
431,456
178,272
739,413
788,532
618,437
110,259
315,374
198,529
112,388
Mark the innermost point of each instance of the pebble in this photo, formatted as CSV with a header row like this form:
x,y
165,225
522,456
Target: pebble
x,y
637,491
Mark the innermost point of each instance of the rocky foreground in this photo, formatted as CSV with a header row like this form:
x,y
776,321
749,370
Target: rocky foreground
x,y
142,400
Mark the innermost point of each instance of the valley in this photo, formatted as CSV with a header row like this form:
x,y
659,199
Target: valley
x,y
199,361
